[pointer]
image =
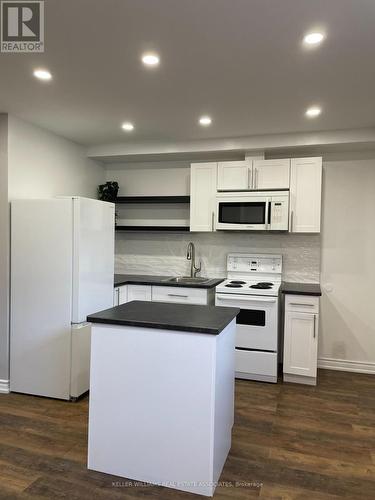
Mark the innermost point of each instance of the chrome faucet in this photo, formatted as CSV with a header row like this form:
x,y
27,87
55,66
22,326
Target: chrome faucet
x,y
194,270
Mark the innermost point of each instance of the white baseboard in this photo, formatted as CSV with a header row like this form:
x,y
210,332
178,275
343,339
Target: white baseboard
x,y
4,386
346,365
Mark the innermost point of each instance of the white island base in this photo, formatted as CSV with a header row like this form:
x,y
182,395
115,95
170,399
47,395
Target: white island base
x,y
161,405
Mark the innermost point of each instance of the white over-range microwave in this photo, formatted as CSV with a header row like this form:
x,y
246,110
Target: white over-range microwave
x,y
256,211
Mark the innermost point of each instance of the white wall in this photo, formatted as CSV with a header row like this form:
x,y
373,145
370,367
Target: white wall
x,y
4,251
38,164
42,164
348,255
165,254
151,178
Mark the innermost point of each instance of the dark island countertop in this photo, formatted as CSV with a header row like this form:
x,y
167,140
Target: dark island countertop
x,y
301,288
140,279
165,316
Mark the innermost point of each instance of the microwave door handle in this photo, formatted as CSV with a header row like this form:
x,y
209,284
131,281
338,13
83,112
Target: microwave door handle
x,y
267,215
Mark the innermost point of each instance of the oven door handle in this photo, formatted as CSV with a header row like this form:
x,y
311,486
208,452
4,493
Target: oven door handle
x,y
245,299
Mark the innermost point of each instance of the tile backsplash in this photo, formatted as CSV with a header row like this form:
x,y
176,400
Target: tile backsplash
x,y
165,254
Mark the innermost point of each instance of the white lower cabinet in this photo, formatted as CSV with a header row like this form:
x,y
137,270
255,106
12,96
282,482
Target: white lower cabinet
x,y
179,295
123,295
115,296
120,295
301,339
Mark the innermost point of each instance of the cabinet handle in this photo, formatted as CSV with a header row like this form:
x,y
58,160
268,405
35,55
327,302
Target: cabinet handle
x,y
301,304
314,326
177,295
256,179
213,221
291,221
250,177
118,296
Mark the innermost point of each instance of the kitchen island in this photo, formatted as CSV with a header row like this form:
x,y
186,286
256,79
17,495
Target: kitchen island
x,y
162,393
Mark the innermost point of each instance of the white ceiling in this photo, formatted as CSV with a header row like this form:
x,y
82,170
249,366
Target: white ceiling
x,y
241,61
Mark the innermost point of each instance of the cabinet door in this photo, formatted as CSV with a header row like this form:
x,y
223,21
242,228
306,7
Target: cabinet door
x,y
271,174
234,175
300,343
123,295
203,196
139,292
305,195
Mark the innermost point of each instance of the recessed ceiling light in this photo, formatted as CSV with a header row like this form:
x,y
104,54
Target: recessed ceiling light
x,y
313,38
205,121
127,126
313,112
150,59
42,74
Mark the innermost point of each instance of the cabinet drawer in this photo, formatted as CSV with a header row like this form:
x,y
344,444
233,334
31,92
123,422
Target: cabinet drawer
x,y
138,292
256,363
179,295
302,303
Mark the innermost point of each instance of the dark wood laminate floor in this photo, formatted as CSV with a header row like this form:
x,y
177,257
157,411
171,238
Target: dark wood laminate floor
x,y
289,442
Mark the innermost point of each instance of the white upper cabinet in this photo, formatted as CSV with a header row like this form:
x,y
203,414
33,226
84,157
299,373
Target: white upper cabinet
x,y
271,174
203,179
302,176
253,175
305,195
234,175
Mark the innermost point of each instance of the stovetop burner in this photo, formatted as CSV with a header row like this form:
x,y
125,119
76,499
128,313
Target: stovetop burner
x,y
233,285
263,285
237,282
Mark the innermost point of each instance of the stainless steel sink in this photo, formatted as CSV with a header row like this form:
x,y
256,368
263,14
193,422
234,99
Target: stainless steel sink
x,y
188,280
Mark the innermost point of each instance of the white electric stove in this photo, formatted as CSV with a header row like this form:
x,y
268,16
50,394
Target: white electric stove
x,y
252,284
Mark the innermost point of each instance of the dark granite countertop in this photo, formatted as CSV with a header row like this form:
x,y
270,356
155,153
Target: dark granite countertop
x,y
165,316
301,288
140,279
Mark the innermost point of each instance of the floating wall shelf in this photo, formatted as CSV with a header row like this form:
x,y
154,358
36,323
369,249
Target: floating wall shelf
x,y
153,228
153,199
154,225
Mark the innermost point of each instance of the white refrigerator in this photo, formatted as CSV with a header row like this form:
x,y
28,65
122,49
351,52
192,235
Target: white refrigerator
x,y
62,270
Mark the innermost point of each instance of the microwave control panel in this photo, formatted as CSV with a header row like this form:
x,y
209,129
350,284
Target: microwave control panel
x,y
279,214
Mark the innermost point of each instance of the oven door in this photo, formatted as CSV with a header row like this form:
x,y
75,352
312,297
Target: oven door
x,y
257,322
242,213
